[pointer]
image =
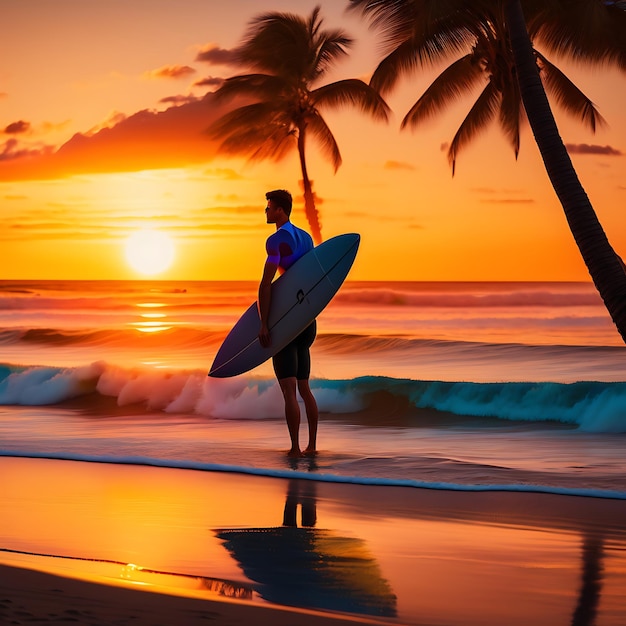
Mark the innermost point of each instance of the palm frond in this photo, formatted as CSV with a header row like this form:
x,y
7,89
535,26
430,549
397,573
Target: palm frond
x,y
257,130
314,23
454,82
394,66
324,137
255,114
586,31
330,48
483,112
417,34
277,43
568,96
393,20
355,92
435,28
397,20
512,113
273,142
259,86
407,58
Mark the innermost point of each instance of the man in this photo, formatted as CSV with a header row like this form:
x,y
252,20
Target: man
x,y
292,365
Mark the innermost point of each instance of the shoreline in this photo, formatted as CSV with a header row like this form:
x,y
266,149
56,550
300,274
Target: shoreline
x,y
302,469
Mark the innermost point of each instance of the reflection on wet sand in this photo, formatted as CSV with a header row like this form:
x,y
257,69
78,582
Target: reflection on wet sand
x,y
308,567
108,569
591,583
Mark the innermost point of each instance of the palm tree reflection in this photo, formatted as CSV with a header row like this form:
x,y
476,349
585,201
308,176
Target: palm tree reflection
x,y
309,567
591,583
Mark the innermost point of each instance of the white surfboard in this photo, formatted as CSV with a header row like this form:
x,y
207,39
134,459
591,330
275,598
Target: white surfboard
x,y
298,297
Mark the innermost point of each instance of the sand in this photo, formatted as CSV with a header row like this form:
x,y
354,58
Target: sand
x,y
28,597
92,543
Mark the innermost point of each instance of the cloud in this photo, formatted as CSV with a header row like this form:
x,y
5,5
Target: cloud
x,y
223,173
178,100
52,127
507,201
230,197
503,196
11,150
212,53
209,81
377,217
171,71
61,223
399,165
584,148
21,127
148,139
17,128
114,118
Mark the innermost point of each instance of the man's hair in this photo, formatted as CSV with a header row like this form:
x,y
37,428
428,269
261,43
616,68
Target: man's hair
x,y
282,198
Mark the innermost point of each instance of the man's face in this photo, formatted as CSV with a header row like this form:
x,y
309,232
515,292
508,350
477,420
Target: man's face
x,y
272,212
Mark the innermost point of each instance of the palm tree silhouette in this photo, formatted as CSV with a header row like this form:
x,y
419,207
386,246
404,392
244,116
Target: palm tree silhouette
x,y
496,47
283,99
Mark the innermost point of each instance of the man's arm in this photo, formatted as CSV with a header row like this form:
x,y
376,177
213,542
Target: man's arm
x,y
264,301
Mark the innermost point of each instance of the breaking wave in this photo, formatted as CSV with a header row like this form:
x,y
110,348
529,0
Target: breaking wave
x,y
589,406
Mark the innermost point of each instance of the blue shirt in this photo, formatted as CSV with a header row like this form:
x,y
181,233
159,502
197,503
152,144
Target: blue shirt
x,y
287,245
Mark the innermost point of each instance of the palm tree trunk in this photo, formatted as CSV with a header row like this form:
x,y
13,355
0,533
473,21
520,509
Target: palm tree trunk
x,y
604,265
310,210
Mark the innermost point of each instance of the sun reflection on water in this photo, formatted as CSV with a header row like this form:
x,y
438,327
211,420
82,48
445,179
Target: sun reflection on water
x,y
152,321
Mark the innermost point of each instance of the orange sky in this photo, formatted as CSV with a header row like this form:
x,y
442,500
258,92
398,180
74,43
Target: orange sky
x,y
102,108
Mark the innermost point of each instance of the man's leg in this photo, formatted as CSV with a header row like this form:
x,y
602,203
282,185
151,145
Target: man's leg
x,y
312,414
292,413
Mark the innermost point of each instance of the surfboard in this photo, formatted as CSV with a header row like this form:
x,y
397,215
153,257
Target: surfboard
x,y
298,297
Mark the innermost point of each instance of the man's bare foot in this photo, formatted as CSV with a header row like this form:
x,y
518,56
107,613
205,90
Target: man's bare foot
x,y
295,453
309,451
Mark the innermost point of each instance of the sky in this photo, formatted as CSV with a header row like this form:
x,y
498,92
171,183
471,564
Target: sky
x,y
103,112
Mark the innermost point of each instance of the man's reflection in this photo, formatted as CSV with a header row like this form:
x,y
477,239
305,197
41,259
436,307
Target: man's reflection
x,y
301,492
310,567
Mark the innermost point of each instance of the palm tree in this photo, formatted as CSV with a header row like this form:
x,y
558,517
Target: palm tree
x,y
283,99
497,47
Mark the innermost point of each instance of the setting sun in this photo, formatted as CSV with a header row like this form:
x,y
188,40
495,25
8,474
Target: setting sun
x,y
149,252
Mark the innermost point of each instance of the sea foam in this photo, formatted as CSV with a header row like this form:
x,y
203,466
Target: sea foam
x,y
590,406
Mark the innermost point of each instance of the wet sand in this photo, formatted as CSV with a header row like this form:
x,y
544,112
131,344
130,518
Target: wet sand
x,y
99,544
28,596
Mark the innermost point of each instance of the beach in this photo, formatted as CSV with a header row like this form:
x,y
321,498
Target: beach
x,y
424,425
30,596
118,541
470,467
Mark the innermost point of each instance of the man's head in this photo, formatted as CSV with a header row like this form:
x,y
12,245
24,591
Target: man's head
x,y
280,198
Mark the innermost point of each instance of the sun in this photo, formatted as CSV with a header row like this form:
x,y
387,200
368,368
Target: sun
x,y
149,252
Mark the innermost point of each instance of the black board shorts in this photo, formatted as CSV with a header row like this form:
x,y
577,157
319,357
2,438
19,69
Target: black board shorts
x,y
294,360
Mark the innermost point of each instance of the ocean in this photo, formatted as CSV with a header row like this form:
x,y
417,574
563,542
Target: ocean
x,y
449,386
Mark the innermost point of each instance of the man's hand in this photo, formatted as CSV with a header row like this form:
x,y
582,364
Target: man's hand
x,y
264,336
265,297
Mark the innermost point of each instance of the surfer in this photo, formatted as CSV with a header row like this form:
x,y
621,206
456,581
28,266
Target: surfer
x,y
292,365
